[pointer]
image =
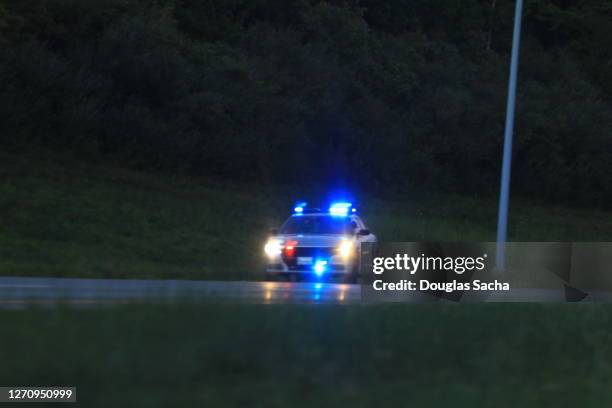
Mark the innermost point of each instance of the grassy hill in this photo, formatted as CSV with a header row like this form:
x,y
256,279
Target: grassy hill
x,y
62,217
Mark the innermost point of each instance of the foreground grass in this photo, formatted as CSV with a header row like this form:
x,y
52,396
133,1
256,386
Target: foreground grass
x,y
65,218
280,356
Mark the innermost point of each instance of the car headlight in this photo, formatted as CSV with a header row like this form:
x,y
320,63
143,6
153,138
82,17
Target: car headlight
x,y
273,247
345,249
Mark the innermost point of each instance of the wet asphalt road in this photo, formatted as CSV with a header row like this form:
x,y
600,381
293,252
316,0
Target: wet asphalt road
x,y
19,292
15,291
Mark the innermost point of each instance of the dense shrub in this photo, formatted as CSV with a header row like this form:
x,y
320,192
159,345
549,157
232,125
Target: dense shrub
x,y
384,95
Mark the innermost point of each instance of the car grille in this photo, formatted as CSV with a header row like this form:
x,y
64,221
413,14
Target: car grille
x,y
313,252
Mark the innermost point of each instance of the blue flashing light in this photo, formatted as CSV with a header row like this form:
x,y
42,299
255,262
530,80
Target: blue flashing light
x,y
318,285
299,207
340,209
320,267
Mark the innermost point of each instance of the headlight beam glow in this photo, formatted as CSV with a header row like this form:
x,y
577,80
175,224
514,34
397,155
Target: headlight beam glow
x,y
345,249
273,247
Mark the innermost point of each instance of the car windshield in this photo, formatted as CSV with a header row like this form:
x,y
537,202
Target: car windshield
x,y
316,224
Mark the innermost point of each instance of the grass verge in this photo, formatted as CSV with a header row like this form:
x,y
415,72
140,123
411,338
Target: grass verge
x,y
59,217
279,356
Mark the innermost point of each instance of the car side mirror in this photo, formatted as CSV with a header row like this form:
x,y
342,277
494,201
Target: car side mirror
x,y
272,231
364,231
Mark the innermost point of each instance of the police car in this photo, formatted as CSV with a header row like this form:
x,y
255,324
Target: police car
x,y
318,244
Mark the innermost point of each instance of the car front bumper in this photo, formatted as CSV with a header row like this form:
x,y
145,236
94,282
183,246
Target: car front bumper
x,y
335,267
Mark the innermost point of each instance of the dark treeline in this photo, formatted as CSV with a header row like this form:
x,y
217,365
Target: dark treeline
x,y
385,94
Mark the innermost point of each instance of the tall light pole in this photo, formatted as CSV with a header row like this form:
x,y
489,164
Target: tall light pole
x,y
502,218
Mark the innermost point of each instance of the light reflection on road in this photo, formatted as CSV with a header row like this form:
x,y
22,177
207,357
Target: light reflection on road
x,y
310,292
16,292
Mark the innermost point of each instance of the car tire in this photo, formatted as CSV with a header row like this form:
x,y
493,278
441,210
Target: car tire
x,y
353,275
352,278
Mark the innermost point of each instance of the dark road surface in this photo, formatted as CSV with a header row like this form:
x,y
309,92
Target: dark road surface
x,y
17,292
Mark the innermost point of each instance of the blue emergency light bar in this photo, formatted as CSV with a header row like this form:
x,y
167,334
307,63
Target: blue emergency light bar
x,y
341,208
299,207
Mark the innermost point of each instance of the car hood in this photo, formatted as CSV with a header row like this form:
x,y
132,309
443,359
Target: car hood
x,y
310,240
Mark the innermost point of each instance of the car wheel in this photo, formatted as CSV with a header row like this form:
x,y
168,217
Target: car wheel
x,y
353,275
